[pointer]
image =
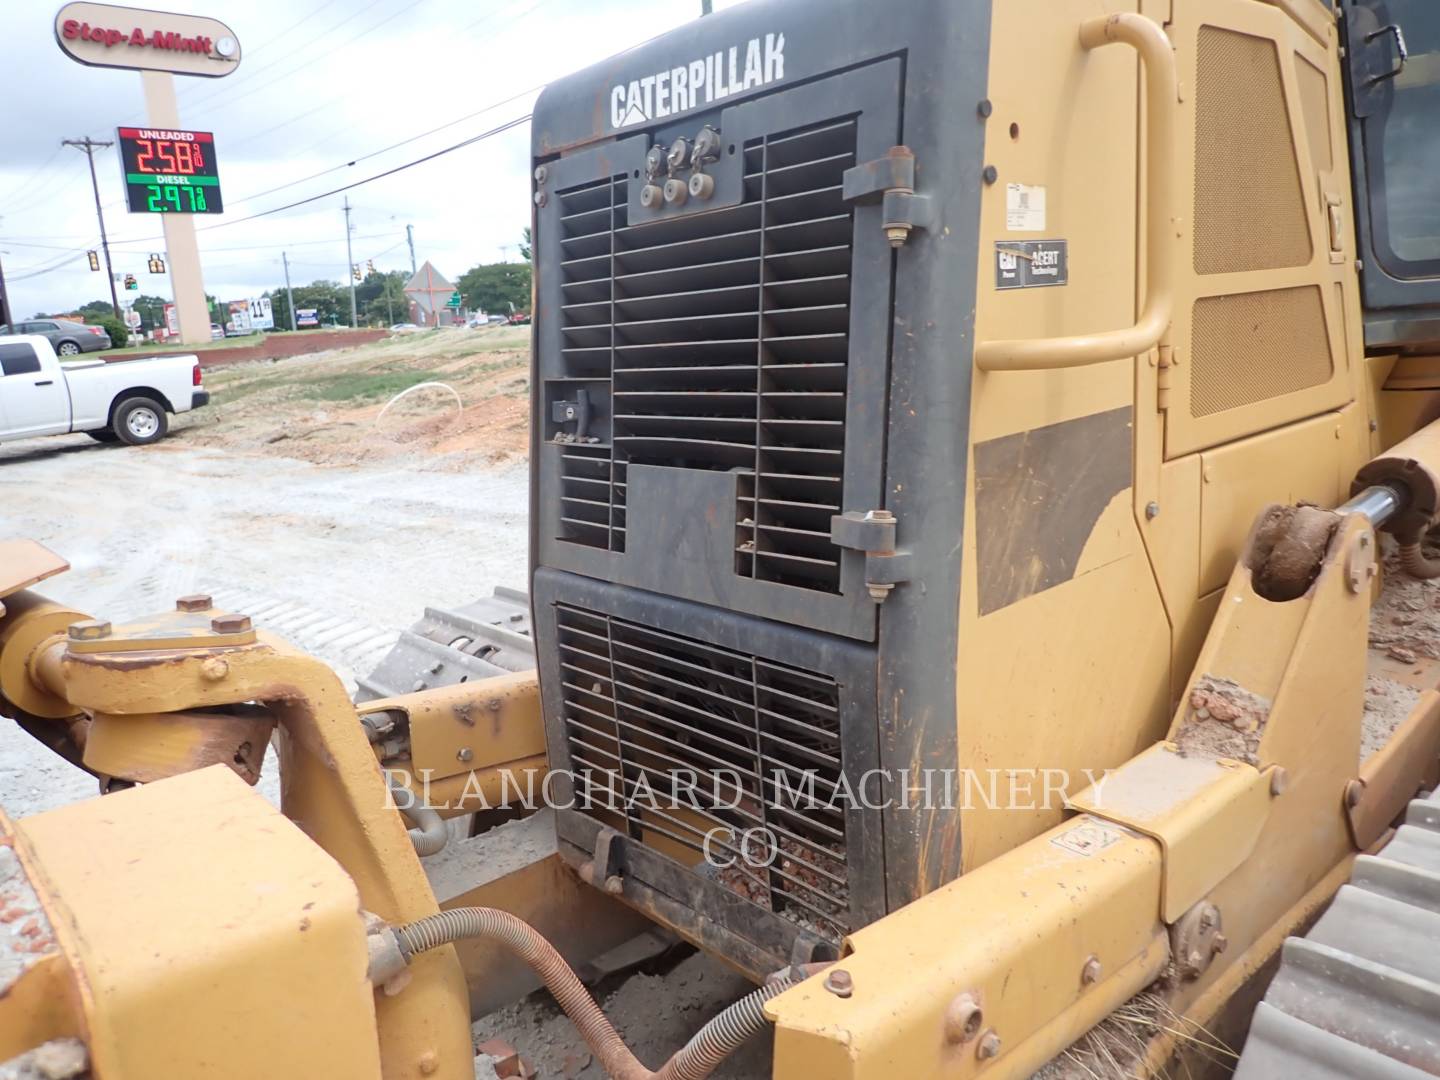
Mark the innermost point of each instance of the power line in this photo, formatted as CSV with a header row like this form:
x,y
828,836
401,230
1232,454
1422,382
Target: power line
x,y
369,179
247,91
394,146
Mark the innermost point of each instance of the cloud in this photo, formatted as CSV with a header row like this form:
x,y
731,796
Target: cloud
x,y
322,82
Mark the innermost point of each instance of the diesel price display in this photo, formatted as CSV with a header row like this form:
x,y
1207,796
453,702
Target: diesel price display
x,y
170,172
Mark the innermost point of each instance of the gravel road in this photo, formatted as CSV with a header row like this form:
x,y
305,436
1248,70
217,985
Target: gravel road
x,y
371,545
299,545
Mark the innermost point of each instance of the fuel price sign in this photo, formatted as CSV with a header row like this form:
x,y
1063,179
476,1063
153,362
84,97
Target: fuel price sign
x,y
170,172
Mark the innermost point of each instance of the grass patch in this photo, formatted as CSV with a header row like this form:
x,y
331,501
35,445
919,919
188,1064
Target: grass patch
x,y
362,385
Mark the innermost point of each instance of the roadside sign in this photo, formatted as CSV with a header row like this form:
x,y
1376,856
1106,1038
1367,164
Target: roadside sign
x,y
169,172
307,316
262,316
132,319
105,35
454,300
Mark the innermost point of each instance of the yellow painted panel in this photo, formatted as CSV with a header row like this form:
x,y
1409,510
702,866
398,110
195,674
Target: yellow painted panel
x,y
1301,462
216,939
1072,678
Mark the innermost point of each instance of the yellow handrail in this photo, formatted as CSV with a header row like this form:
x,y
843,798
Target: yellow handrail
x,y
1162,101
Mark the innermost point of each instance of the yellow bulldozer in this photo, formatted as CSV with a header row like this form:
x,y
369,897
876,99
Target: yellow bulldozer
x,y
982,462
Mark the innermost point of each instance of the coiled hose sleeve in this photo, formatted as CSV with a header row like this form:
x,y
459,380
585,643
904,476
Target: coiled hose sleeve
x,y
1416,563
711,1045
430,833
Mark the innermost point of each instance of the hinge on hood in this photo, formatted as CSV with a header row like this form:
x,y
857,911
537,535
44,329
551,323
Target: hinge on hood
x,y
1164,363
873,532
890,181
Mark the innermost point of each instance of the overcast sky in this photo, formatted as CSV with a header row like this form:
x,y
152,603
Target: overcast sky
x,y
321,83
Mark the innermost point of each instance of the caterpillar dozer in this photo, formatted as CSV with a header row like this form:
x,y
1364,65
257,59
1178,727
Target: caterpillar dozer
x,y
982,462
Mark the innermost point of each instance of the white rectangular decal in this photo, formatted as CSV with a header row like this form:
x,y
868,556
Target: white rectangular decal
x,y
1025,207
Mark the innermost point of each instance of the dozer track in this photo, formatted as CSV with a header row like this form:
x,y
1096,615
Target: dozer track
x,y
1359,995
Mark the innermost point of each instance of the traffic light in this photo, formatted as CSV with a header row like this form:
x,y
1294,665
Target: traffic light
x,y
156,264
130,282
94,260
355,272
369,266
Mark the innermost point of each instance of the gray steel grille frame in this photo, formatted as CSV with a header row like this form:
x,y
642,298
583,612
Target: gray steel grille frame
x,y
643,686
735,362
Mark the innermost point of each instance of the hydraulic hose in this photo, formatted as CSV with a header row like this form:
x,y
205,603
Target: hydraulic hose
x,y
1416,563
711,1045
430,833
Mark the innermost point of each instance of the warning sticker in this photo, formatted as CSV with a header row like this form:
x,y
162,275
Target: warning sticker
x,y
1029,264
1088,837
1025,207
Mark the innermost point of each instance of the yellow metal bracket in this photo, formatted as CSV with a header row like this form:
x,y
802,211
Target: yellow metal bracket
x,y
1207,814
455,730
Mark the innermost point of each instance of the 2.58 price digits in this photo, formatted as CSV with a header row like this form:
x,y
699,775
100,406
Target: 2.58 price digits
x,y
176,197
163,156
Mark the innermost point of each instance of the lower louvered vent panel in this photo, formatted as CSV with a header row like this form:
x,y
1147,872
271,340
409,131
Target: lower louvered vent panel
x,y
722,339
674,740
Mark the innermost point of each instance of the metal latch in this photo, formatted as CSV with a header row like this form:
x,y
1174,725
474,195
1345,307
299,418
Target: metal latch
x,y
890,181
575,412
873,532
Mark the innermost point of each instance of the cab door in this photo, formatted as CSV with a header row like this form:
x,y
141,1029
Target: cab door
x,y
1393,84
33,399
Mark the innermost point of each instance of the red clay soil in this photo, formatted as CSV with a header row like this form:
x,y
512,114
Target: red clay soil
x,y
275,348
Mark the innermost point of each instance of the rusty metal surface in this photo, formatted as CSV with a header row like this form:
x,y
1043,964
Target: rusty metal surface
x,y
1360,994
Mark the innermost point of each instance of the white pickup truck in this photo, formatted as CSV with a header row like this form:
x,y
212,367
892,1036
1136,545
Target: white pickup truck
x,y
128,400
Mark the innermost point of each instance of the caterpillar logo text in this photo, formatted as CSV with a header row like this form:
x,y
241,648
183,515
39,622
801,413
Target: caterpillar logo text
x,y
758,62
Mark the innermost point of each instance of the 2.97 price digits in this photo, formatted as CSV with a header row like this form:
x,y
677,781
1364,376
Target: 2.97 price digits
x,y
175,197
171,158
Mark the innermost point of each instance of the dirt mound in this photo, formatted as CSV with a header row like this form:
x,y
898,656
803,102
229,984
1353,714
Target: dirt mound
x,y
455,394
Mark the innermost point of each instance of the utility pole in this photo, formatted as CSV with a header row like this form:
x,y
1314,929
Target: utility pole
x,y
89,145
410,239
350,265
705,7
6,315
289,296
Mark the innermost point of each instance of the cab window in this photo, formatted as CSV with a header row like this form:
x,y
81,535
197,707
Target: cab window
x,y
1395,85
18,359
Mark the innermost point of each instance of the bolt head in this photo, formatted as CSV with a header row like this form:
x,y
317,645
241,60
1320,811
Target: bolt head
x,y
89,630
984,108
897,235
1279,781
194,602
989,1046
614,885
215,669
541,174
230,624
990,174
465,754
963,1019
1152,511
1221,943
541,199
1090,971
839,983
1354,792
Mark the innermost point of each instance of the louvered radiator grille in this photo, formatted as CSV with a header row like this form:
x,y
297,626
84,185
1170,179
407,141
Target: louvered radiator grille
x,y
745,735
724,340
